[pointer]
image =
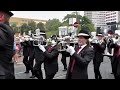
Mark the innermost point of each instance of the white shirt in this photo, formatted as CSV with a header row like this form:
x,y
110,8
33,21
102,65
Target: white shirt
x,y
81,48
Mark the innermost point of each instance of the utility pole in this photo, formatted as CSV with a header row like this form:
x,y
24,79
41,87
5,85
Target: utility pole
x,y
76,16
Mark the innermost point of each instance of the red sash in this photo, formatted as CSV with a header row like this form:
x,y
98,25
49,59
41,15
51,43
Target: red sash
x,y
49,49
73,62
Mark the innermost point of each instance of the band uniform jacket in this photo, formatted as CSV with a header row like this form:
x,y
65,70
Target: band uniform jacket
x,y
110,41
31,48
115,60
82,60
39,56
26,48
6,52
98,52
51,60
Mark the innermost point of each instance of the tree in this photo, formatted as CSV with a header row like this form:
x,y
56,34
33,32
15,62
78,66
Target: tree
x,y
41,26
52,26
72,15
15,28
31,26
90,27
83,22
87,24
24,28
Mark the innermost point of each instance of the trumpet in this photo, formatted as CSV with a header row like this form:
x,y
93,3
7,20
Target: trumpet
x,y
37,39
94,41
63,42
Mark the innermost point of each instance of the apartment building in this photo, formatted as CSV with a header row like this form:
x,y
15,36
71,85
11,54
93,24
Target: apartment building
x,y
19,21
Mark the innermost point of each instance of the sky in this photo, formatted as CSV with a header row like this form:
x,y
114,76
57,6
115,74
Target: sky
x,y
44,15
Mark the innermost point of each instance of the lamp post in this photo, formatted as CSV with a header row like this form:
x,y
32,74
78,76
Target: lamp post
x,y
76,16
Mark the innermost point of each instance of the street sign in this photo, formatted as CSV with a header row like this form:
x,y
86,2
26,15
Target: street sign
x,y
71,21
76,24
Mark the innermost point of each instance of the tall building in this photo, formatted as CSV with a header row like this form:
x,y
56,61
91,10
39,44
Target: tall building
x,y
106,19
112,16
20,21
97,18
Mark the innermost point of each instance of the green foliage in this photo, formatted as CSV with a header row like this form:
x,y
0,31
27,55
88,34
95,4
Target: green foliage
x,y
15,28
41,26
49,33
90,27
72,15
52,25
84,22
24,28
31,26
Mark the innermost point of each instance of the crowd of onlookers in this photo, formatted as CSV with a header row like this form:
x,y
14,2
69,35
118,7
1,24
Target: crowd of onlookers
x,y
17,49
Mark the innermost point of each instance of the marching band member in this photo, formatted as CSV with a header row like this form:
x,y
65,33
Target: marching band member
x,y
31,57
109,49
116,58
80,57
6,46
39,59
25,45
51,59
64,54
63,59
99,48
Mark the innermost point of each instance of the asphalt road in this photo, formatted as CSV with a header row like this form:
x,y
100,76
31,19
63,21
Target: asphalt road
x,y
105,70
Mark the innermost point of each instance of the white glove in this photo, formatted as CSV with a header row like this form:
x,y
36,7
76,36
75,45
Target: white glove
x,y
96,41
53,43
26,39
31,39
20,40
42,48
70,50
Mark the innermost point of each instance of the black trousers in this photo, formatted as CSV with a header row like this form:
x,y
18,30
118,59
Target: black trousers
x,y
31,63
97,71
39,59
25,61
50,76
63,60
37,70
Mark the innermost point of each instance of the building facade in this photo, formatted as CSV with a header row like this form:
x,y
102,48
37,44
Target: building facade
x,y
112,16
105,19
96,17
20,21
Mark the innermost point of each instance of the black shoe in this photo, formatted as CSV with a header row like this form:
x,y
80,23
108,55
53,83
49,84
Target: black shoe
x,y
100,77
26,72
111,73
33,76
